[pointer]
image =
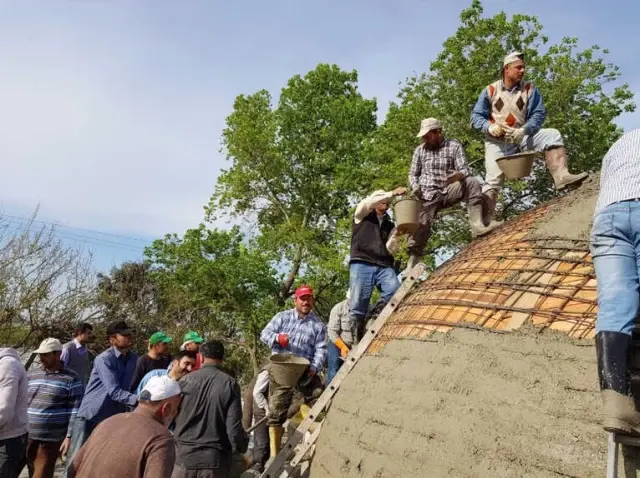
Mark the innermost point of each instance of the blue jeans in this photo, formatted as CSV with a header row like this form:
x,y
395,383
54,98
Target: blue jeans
x,y
615,248
12,456
334,361
79,435
363,278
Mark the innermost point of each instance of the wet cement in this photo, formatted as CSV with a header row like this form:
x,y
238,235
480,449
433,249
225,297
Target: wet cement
x,y
468,404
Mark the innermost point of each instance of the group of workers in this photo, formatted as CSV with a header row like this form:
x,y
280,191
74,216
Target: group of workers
x,y
202,404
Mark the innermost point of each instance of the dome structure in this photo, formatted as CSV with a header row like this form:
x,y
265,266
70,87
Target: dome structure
x,y
487,368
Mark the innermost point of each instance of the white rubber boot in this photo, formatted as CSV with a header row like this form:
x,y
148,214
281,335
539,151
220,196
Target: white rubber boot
x,y
556,160
475,221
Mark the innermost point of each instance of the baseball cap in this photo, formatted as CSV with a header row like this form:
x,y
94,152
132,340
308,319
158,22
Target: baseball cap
x,y
159,337
120,327
192,336
303,290
49,345
427,125
160,388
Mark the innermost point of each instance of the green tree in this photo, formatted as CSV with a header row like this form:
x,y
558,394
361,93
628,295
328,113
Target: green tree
x,y
297,167
215,282
582,93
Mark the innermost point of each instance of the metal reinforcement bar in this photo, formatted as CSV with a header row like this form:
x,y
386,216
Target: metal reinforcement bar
x,y
277,465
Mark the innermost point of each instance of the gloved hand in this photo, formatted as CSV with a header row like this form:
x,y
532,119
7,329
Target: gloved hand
x,y
496,130
515,136
311,372
344,349
283,340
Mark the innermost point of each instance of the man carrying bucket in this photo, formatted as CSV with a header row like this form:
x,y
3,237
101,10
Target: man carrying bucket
x,y
510,112
302,334
439,175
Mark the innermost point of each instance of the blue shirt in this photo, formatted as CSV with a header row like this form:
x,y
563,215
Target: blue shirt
x,y
307,336
159,372
107,392
536,112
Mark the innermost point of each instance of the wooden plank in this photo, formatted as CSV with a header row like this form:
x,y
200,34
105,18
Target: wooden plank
x,y
273,470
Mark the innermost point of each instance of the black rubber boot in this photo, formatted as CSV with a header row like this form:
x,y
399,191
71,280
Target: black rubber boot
x,y
619,410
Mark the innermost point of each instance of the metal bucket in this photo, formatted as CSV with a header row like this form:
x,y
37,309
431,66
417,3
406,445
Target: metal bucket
x,y
287,369
406,212
517,166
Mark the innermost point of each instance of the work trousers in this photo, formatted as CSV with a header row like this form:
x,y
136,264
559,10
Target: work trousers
x,y
469,190
284,401
615,248
363,278
41,457
79,435
260,438
12,452
496,148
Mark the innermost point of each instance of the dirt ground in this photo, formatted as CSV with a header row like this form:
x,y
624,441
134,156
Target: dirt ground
x,y
468,404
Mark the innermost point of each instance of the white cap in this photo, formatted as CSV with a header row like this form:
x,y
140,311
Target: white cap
x,y
49,345
427,125
513,57
160,388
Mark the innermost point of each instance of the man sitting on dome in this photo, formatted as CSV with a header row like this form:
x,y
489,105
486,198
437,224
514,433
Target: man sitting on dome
x,y
440,176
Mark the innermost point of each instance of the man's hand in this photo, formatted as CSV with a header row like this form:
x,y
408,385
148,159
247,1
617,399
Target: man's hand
x,y
283,340
515,136
399,191
454,177
64,448
416,192
496,130
344,349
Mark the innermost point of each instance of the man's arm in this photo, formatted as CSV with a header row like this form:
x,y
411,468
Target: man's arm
x,y
262,382
415,170
480,113
109,377
364,207
334,328
320,355
536,112
392,243
270,333
64,356
461,162
76,392
161,457
9,384
237,436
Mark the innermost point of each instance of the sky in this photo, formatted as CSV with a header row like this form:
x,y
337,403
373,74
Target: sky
x,y
111,111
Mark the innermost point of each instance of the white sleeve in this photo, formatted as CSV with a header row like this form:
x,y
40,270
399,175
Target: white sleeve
x,y
392,243
262,382
365,206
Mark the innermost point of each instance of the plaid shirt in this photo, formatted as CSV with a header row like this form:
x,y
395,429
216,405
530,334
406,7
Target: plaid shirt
x,y
430,168
307,336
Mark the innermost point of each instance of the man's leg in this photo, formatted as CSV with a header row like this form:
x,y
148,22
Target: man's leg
x,y
615,262
418,240
334,361
260,441
42,457
12,456
387,282
280,397
361,283
550,141
79,434
470,191
494,149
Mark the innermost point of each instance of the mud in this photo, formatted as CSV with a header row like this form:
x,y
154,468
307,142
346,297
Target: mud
x,y
468,404
572,216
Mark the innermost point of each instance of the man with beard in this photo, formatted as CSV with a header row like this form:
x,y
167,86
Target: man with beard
x,y
136,444
183,363
439,175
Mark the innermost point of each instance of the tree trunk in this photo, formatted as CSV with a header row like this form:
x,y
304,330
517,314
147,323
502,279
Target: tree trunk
x,y
285,291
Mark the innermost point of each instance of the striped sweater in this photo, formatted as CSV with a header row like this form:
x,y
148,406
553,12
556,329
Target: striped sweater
x,y
54,399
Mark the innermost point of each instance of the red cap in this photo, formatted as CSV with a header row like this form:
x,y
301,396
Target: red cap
x,y
303,290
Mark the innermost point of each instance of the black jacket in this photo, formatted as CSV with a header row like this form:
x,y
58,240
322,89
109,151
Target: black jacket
x,y
208,429
369,240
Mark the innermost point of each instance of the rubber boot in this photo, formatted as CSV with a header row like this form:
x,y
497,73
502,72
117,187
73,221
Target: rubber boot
x,y
475,221
618,406
275,440
556,160
490,200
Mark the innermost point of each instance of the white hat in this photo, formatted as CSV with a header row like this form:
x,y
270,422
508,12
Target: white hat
x,y
49,345
427,125
160,388
513,57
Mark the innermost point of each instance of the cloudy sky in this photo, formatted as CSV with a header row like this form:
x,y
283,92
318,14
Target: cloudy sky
x,y
111,110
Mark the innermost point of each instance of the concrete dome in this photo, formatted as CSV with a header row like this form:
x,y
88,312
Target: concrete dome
x,y
487,369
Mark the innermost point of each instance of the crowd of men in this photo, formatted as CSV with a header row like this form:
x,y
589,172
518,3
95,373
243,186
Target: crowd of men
x,y
122,417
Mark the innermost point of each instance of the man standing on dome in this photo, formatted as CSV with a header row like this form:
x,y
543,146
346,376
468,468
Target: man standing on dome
x,y
510,112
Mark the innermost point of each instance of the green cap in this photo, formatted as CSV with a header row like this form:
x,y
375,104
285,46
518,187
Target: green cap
x,y
192,336
159,337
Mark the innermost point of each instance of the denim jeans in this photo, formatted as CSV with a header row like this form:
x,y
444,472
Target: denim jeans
x,y
334,361
79,435
12,456
615,248
363,277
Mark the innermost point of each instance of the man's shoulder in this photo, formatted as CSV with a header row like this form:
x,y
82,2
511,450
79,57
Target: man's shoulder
x,y
451,142
67,345
71,375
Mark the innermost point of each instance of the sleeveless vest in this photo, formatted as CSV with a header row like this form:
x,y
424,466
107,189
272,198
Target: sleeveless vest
x,y
78,362
509,107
